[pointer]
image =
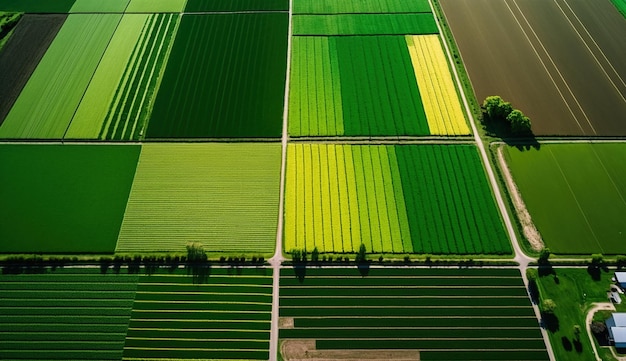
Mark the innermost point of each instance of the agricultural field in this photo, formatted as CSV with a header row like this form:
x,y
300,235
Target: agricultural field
x,y
565,58
71,314
227,316
360,7
63,198
223,195
156,6
620,5
37,6
20,56
365,24
119,98
575,194
425,314
366,86
236,5
225,78
99,6
49,99
431,199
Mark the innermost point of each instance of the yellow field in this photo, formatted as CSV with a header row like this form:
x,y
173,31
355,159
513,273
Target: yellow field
x,y
441,103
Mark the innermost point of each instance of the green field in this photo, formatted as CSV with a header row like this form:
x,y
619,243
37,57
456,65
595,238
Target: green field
x,y
156,6
37,6
72,314
225,317
620,5
445,314
47,103
225,78
576,195
120,96
99,6
431,199
236,5
63,198
365,24
360,6
349,85
222,195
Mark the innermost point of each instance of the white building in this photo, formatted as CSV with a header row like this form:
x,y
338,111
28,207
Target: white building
x,y
617,329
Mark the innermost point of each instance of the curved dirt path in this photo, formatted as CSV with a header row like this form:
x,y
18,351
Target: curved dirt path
x,y
597,307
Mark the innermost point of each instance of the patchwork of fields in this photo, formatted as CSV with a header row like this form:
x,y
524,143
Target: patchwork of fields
x,y
394,199
576,195
439,314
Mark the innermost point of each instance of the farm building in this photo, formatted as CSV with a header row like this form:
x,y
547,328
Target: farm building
x,y
620,278
617,329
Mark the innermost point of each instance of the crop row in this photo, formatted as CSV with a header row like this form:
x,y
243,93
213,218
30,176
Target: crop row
x,y
447,344
365,24
402,199
426,333
360,7
437,90
417,322
224,196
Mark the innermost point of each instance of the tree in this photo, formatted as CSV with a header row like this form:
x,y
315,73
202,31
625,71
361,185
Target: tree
x,y
520,124
548,306
315,255
531,274
577,332
597,260
361,257
598,327
495,108
296,255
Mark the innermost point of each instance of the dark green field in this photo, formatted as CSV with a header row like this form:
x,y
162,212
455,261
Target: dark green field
x,y
225,317
236,5
70,314
37,6
225,78
445,314
63,198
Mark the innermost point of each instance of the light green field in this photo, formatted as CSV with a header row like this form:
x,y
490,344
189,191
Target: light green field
x,y
95,104
576,195
224,196
47,104
99,6
365,24
156,6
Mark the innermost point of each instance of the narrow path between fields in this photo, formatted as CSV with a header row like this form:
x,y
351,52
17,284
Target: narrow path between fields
x,y
278,258
520,257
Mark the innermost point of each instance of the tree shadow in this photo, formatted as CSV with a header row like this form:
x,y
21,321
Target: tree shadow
x,y
364,268
550,322
502,130
595,272
578,346
567,344
533,291
300,271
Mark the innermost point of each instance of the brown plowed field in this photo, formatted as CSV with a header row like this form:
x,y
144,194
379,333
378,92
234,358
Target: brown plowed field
x,y
20,56
560,61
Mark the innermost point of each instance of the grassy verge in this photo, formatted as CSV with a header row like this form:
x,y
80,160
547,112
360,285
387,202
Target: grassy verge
x,y
574,291
8,21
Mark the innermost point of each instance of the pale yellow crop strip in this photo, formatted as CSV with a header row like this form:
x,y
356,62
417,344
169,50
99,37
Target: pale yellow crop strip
x,y
308,203
336,205
326,203
318,217
355,223
439,97
291,200
300,197
344,201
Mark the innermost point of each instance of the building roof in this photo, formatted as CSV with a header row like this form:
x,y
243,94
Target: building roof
x,y
620,277
617,319
619,334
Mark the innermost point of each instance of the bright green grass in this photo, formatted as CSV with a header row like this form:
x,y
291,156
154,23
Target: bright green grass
x,y
225,77
37,6
574,294
77,321
64,199
365,24
394,199
360,6
206,325
99,6
156,6
95,103
578,205
464,312
236,5
224,196
47,104
8,21
353,86
378,89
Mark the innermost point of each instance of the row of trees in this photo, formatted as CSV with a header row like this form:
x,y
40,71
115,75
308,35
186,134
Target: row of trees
x,y
499,113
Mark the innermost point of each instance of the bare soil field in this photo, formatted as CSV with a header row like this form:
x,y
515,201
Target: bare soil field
x,y
559,61
22,53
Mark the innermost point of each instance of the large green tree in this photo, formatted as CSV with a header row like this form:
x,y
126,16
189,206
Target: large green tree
x,y
520,124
